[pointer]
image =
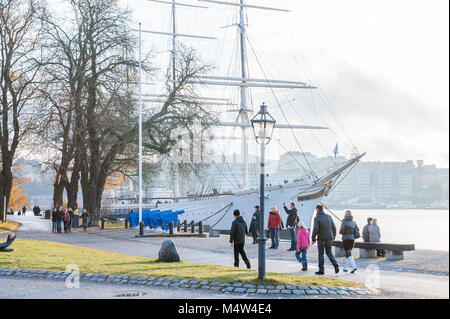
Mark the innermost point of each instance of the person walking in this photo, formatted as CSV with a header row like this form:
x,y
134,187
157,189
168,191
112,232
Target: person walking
x,y
365,231
60,219
349,231
274,225
324,232
254,224
237,238
85,218
69,223
291,224
24,210
66,221
54,220
302,245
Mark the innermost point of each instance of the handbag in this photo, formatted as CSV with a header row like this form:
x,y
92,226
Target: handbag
x,y
356,232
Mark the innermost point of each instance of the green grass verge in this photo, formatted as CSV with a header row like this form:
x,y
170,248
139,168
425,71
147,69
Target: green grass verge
x,y
8,226
45,255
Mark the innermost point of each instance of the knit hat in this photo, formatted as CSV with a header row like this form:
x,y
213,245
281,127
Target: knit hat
x,y
301,223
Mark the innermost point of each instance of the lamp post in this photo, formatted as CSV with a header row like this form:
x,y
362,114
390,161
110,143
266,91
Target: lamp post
x,y
263,124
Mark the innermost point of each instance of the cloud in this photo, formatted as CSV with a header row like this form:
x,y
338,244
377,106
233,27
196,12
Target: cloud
x,y
389,123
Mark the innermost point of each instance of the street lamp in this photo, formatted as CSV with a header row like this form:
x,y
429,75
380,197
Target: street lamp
x,y
263,124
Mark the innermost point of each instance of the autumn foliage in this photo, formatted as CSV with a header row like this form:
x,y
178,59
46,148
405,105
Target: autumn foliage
x,y
18,199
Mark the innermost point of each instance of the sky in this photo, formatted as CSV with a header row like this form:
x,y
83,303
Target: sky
x,y
382,68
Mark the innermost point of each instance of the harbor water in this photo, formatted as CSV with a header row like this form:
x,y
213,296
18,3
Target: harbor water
x,y
427,229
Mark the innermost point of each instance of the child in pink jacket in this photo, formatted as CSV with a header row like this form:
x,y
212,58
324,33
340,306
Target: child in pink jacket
x,y
303,242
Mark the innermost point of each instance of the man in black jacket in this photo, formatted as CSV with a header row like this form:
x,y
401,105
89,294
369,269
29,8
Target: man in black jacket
x,y
291,224
237,237
325,232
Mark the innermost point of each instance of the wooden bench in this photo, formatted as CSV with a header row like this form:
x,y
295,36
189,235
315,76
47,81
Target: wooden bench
x,y
4,246
369,250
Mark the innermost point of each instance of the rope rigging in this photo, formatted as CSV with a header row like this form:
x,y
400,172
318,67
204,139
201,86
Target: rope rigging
x,y
282,111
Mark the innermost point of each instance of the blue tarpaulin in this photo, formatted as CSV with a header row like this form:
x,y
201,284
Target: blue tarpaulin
x,y
155,218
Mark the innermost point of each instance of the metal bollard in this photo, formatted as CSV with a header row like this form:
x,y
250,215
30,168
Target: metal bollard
x,y
178,226
185,226
103,223
193,227
141,229
171,228
126,223
200,227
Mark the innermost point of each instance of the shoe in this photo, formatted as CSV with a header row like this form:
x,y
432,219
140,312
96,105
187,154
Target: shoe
x,y
290,249
320,273
304,267
271,247
336,268
248,265
353,271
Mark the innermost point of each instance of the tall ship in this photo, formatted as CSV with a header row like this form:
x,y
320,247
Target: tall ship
x,y
212,205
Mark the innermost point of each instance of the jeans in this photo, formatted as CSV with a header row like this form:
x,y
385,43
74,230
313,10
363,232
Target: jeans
x,y
293,238
59,225
55,226
254,236
302,259
325,245
274,237
239,249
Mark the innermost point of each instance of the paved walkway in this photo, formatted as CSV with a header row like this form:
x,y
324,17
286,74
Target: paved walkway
x,y
398,283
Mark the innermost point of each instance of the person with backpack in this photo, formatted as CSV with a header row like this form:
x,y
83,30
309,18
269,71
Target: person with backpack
x,y
291,224
302,245
349,231
71,216
237,238
66,221
274,225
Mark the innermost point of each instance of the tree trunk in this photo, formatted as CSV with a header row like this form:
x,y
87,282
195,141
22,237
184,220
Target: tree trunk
x,y
58,192
5,187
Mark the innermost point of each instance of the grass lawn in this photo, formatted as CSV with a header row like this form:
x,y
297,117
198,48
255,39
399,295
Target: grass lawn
x,y
44,255
109,225
8,226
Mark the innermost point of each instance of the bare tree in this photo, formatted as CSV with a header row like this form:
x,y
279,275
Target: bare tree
x,y
19,74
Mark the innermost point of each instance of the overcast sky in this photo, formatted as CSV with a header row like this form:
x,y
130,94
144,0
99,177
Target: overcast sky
x,y
382,65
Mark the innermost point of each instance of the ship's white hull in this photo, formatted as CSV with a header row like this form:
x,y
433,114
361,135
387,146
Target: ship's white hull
x,y
217,212
199,210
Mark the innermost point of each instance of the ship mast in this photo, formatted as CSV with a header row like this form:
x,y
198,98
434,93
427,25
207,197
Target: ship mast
x,y
243,118
174,36
244,110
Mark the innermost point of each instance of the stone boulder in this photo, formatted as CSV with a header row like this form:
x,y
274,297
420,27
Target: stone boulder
x,y
168,252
